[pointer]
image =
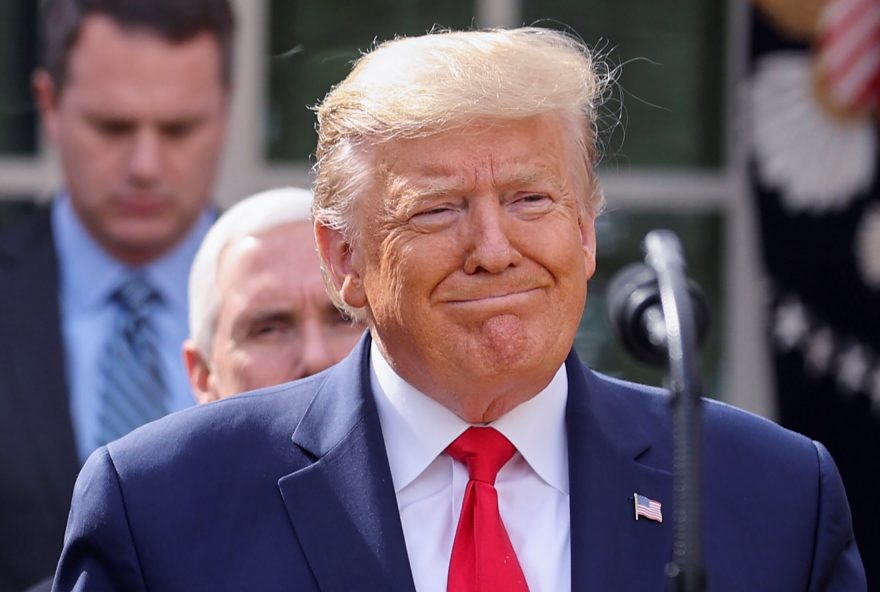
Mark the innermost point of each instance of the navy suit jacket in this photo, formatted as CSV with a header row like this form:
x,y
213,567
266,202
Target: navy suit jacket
x,y
289,489
38,459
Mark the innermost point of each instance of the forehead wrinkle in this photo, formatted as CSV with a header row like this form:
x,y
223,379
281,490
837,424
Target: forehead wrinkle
x,y
517,175
410,185
437,184
429,183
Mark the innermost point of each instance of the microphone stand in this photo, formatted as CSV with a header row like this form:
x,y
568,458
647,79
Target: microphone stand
x,y
685,573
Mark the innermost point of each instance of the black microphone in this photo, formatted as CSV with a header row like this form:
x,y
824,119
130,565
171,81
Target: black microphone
x,y
633,307
660,315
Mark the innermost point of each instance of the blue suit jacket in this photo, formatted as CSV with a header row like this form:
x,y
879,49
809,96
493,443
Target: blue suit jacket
x,y
289,489
38,459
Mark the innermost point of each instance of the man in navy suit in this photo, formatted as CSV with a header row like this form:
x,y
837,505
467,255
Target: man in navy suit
x,y
462,445
134,96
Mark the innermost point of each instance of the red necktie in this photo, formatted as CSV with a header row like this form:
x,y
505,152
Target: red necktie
x,y
483,560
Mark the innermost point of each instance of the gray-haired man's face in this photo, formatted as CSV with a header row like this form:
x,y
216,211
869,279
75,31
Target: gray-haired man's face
x,y
275,322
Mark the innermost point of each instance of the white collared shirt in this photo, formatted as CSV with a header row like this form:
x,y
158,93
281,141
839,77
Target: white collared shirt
x,y
532,487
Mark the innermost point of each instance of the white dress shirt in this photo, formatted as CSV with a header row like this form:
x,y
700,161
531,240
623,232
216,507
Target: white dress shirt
x,y
532,486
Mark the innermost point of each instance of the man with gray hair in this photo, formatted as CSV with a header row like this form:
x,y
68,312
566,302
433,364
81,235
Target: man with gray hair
x,y
462,446
258,311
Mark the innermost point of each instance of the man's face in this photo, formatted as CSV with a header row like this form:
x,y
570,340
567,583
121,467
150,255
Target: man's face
x,y
275,321
139,126
474,260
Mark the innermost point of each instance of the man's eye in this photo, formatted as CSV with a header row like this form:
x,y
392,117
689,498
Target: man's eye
x,y
263,330
440,210
534,198
113,128
268,329
434,218
530,203
178,130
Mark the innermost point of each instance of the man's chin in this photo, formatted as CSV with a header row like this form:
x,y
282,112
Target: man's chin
x,y
501,341
138,245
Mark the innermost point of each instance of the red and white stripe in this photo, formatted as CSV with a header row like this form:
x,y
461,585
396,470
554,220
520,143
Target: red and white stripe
x,y
648,508
849,52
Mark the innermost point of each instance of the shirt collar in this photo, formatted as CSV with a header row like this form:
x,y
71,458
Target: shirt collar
x,y
417,429
89,275
537,429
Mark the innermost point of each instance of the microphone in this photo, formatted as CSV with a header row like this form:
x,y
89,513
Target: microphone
x,y
659,315
636,315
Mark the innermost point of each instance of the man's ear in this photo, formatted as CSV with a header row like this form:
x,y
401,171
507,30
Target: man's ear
x,y
199,373
587,224
341,265
46,97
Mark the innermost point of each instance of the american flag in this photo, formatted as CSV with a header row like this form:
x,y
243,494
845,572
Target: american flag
x,y
647,508
849,52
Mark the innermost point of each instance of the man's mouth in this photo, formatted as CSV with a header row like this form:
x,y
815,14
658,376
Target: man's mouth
x,y
141,203
500,297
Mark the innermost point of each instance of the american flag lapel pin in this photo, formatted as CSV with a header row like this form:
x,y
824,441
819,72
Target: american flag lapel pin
x,y
647,508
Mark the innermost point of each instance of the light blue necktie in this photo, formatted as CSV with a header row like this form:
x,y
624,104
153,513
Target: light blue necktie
x,y
133,392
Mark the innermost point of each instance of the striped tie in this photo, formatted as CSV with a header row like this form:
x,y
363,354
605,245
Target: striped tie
x,y
133,391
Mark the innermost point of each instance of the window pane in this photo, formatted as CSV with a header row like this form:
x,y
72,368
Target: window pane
x,y
18,48
619,236
673,56
312,45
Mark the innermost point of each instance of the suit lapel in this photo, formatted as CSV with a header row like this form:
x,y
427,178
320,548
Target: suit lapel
x,y
614,447
616,444
343,506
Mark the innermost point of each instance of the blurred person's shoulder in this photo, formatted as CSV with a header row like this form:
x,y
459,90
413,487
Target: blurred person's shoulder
x,y
23,225
28,265
254,429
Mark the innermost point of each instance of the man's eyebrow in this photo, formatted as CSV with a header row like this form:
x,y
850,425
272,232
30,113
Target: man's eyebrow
x,y
263,316
104,118
409,194
425,193
128,119
184,118
519,175
433,183
427,186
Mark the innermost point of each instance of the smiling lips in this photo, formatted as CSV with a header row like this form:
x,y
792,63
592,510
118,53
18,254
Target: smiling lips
x,y
495,297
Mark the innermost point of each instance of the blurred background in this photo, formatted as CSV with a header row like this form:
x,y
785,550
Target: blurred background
x,y
748,128
667,159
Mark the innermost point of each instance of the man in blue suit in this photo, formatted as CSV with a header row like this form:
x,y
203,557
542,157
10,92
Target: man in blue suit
x,y
134,96
462,445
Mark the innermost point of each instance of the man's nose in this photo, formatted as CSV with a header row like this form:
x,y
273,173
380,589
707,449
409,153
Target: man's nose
x,y
490,238
145,159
